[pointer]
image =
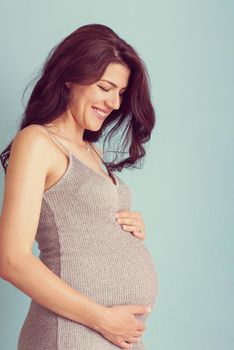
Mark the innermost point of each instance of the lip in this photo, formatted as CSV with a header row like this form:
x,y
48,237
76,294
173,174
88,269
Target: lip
x,y
103,110
102,118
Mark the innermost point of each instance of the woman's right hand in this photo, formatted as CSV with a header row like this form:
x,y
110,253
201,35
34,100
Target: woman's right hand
x,y
119,325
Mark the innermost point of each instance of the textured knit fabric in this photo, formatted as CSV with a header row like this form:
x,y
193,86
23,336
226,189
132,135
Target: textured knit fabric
x,y
80,240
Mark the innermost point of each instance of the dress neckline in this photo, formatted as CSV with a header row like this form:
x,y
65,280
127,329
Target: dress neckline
x,y
116,184
112,177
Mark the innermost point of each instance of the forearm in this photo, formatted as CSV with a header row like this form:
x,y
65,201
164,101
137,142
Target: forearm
x,y
36,280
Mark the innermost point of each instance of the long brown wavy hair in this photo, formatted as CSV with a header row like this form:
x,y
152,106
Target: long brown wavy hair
x,y
82,57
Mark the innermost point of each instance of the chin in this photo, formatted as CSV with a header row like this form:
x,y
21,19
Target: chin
x,y
93,127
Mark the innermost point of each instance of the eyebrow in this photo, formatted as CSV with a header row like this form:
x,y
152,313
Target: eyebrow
x,y
113,84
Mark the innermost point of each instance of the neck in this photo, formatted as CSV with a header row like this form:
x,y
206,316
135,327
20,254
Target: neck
x,y
68,125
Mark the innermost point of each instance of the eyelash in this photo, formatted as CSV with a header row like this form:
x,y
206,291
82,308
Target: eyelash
x,y
108,90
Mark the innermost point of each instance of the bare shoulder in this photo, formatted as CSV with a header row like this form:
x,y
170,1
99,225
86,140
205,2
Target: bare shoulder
x,y
29,144
29,133
32,136
34,129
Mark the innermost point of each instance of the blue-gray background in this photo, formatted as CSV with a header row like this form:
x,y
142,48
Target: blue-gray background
x,y
185,190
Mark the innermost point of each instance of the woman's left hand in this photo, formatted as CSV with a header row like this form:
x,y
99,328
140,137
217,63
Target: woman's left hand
x,y
132,221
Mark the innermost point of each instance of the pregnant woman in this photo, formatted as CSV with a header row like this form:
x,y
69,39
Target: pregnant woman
x,y
94,280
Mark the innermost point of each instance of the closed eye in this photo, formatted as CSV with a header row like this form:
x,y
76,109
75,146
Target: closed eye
x,y
108,90
103,88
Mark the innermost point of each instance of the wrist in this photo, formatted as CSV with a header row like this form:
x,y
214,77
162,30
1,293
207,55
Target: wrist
x,y
96,316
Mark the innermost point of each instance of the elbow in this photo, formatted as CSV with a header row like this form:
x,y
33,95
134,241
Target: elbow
x,y
3,270
6,264
9,265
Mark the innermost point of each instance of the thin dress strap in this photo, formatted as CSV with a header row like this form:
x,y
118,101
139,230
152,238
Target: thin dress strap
x,y
97,154
100,158
108,170
51,134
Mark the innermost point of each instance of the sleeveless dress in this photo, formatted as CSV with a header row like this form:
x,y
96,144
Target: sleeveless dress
x,y
80,240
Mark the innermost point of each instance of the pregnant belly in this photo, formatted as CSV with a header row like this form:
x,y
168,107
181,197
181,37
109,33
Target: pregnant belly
x,y
111,266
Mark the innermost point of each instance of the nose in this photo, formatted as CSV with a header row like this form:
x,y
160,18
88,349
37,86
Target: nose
x,y
114,101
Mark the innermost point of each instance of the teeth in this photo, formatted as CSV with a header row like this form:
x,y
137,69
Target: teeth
x,y
102,114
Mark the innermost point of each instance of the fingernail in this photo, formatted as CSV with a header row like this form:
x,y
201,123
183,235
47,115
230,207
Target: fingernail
x,y
149,309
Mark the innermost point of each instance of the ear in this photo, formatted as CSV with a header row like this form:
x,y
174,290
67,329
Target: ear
x,y
67,83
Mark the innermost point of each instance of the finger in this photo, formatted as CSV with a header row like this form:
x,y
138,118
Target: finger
x,y
138,234
123,213
127,213
125,345
139,334
134,229
133,340
130,228
129,221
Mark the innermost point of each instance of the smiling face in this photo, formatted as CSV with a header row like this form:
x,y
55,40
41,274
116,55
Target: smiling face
x,y
91,104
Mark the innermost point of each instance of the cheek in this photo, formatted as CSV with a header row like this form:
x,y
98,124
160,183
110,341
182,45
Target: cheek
x,y
85,98
95,95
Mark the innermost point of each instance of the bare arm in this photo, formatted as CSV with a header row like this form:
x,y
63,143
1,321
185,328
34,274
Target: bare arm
x,y
23,191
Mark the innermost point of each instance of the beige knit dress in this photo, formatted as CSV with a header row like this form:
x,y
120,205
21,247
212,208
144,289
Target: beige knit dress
x,y
80,240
